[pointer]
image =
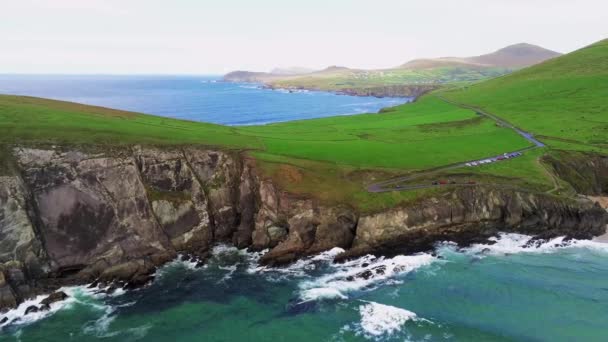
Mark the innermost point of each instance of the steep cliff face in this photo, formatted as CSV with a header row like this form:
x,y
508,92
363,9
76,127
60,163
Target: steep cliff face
x,y
586,172
75,217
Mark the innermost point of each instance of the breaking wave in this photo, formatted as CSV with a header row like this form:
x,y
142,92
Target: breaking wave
x,y
364,273
511,243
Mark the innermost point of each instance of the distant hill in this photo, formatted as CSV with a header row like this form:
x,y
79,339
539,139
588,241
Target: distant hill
x,y
516,56
265,77
410,78
513,56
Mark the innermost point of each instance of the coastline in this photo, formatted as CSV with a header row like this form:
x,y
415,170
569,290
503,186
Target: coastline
x,y
170,201
412,91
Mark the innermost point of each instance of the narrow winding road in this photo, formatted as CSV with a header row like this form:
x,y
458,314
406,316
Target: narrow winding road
x,y
393,184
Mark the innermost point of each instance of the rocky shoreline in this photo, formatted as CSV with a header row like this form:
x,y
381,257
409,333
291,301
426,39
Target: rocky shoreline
x,y
413,91
72,216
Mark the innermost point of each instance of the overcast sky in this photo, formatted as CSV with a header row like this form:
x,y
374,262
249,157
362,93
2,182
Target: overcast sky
x,y
204,36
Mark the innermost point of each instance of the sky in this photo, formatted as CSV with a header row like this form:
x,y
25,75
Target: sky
x,y
214,37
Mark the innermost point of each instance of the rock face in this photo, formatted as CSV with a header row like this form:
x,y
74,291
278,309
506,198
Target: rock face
x,y
74,217
474,214
587,173
177,198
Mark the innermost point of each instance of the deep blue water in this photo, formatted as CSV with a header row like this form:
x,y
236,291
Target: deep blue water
x,y
198,98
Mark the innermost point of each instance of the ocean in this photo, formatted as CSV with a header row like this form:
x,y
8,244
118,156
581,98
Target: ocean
x,y
553,291
504,291
197,98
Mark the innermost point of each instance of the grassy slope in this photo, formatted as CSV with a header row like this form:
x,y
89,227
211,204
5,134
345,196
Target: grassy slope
x,y
426,134
562,101
34,120
328,154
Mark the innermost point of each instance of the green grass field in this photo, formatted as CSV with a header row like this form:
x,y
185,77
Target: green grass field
x,y
562,101
425,134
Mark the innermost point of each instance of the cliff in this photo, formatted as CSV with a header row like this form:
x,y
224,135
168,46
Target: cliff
x,y
75,216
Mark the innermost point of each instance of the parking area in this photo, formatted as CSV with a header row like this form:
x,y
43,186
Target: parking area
x,y
499,158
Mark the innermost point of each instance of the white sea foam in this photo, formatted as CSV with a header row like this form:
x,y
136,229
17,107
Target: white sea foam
x,y
510,243
379,319
359,274
231,269
298,269
76,294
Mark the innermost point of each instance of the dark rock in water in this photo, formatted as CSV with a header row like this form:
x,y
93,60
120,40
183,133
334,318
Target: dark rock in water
x,y
31,309
295,307
485,250
3,320
109,290
380,269
45,307
138,281
185,257
365,274
54,297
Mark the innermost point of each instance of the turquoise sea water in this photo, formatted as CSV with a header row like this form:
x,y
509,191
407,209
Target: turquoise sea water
x,y
198,98
498,292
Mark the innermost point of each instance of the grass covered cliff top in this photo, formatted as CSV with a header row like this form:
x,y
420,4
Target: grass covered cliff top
x,y
561,101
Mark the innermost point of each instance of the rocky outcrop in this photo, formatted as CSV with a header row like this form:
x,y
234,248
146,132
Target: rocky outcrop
x,y
294,227
470,215
177,198
587,173
72,216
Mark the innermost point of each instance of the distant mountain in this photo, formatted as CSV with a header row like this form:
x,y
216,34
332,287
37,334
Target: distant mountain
x,y
511,57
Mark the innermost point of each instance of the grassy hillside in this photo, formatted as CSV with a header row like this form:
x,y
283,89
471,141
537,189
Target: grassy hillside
x,y
561,101
422,135
35,120
425,134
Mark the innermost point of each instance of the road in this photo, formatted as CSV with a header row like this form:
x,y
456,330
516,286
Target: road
x,y
393,184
